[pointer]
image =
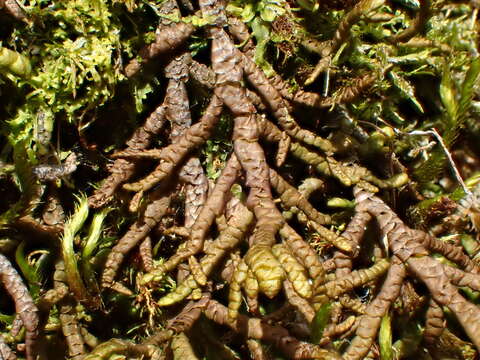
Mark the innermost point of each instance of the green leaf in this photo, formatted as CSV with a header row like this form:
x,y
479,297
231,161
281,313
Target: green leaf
x,y
448,96
319,322
6,319
94,233
410,339
469,244
27,183
340,203
385,338
416,58
237,191
261,32
246,14
308,5
14,62
234,10
140,93
406,90
270,9
467,89
28,271
72,226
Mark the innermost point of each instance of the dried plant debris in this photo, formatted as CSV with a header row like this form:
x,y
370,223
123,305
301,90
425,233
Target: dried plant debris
x,y
224,179
53,172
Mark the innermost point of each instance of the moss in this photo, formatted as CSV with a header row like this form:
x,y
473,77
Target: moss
x,y
229,153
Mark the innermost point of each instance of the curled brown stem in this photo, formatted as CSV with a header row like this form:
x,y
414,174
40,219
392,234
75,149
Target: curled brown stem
x,y
417,24
24,304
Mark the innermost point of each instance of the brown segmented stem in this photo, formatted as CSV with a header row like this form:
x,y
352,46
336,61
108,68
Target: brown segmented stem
x,y
182,349
295,272
280,109
268,130
290,196
196,189
59,291
189,315
417,24
240,31
432,274
462,278
170,38
251,291
24,304
341,35
370,322
264,257
122,169
173,154
145,251
226,64
178,113
354,233
213,207
271,133
435,323
310,185
298,302
305,254
238,225
451,252
71,330
202,74
235,290
254,328
356,278
137,232
353,304
257,352
333,330
206,77
405,244
400,239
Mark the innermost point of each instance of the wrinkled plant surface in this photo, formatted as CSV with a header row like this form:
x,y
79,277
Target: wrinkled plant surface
x,y
263,179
